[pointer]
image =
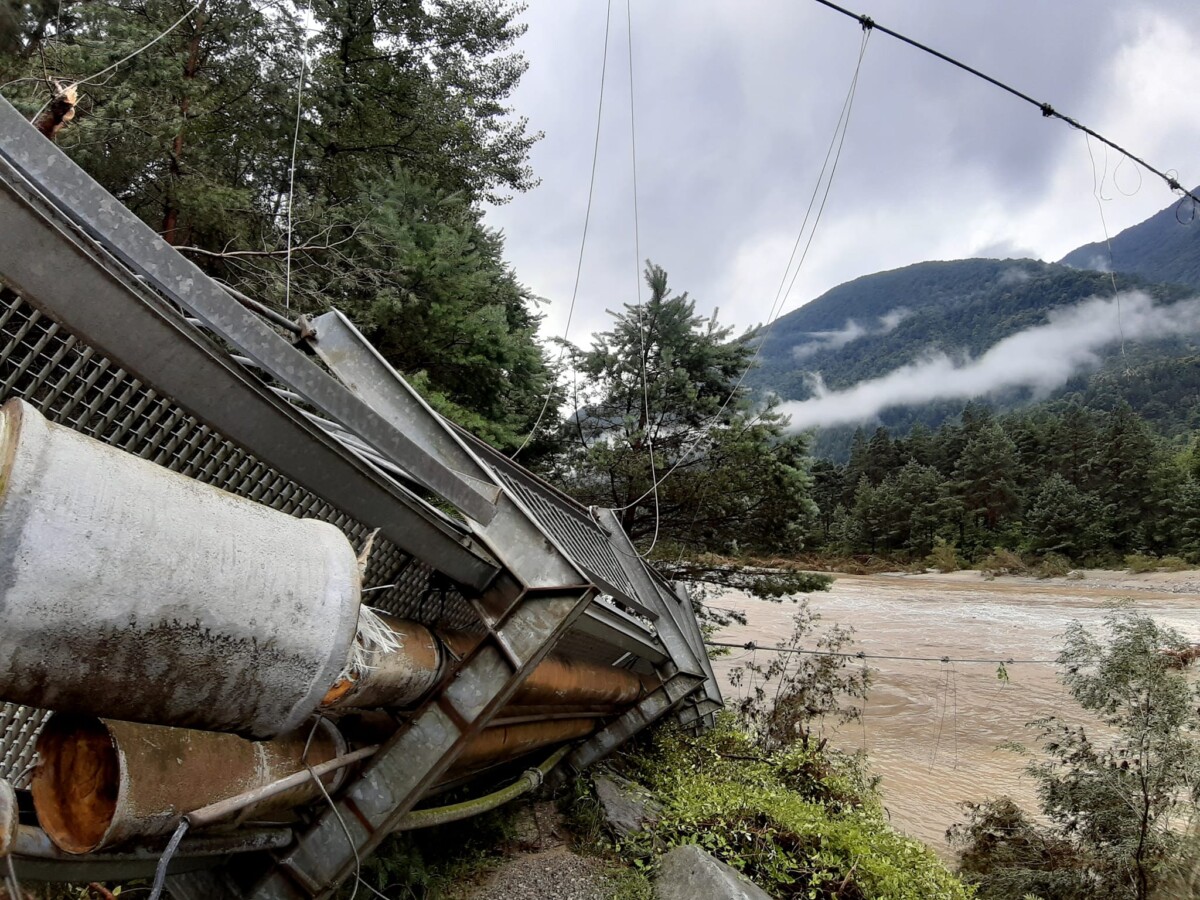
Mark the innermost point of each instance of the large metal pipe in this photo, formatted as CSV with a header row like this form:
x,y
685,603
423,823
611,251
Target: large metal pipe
x,y
133,592
401,678
101,782
496,745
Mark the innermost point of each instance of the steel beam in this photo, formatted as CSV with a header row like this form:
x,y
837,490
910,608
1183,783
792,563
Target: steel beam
x,y
616,627
79,199
670,630
712,689
570,509
522,626
646,712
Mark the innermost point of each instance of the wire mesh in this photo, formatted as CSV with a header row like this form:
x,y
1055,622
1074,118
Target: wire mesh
x,y
73,384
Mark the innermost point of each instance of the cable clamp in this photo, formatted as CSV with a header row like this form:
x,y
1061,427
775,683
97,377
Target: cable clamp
x,y
750,645
536,776
866,22
1048,110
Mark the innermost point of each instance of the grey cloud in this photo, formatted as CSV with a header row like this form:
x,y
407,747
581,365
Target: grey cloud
x,y
735,107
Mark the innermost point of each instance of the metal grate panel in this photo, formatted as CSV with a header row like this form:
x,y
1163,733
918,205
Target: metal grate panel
x,y
581,538
74,385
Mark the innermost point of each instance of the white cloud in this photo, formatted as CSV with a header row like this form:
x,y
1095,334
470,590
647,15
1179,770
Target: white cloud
x,y
1041,358
851,331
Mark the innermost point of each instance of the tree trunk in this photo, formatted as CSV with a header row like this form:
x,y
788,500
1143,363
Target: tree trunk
x,y
170,226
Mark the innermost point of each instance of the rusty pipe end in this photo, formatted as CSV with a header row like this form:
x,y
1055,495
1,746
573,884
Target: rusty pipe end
x,y
76,784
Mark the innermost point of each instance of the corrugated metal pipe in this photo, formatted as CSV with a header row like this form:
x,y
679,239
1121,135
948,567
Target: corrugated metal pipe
x,y
136,593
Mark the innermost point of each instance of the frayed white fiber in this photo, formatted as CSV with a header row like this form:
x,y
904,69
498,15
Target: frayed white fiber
x,y
374,638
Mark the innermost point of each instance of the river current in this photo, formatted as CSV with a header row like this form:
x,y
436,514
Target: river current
x,y
936,732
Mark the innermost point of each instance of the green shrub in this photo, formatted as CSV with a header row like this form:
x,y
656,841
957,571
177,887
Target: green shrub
x,y
802,823
944,557
1140,563
1053,565
1003,562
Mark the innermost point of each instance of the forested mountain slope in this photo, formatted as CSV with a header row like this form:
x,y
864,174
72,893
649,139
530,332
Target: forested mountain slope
x,y
1165,247
876,324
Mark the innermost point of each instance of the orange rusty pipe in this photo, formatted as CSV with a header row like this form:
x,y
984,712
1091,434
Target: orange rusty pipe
x,y
400,679
505,742
395,679
100,782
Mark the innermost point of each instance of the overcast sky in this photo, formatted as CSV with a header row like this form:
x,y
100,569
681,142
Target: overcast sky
x,y
736,102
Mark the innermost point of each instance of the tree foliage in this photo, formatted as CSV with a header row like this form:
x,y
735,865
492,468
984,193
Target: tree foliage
x,y
1083,484
398,113
1115,796
659,393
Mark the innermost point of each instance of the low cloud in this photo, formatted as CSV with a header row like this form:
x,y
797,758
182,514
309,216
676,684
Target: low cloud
x,y
1041,359
1014,276
851,331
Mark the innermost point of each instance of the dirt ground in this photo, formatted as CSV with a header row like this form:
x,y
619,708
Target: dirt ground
x,y
937,732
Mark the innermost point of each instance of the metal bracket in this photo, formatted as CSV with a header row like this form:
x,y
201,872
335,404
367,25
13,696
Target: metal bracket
x,y
526,624
647,711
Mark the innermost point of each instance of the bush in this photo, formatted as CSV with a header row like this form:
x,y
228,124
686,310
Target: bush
x,y
1053,565
1003,562
1140,563
1115,799
944,557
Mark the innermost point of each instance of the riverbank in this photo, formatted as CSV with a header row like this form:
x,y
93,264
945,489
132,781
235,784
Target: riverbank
x,y
936,732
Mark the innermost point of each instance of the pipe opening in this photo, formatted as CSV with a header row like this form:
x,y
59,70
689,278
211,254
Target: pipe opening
x,y
76,783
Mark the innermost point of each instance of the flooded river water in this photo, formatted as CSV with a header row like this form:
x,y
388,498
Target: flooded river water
x,y
934,730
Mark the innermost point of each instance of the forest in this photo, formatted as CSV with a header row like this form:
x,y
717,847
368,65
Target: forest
x,y
1087,486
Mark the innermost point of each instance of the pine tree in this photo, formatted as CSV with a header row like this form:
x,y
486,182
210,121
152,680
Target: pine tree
x,y
663,384
986,476
1122,469
1063,519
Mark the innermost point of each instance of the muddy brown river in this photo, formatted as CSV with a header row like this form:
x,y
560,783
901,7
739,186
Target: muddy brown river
x,y
934,730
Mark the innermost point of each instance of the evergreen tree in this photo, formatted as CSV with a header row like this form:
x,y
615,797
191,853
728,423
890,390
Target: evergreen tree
x,y
1122,468
856,467
663,384
882,456
404,133
921,501
1063,519
827,490
986,476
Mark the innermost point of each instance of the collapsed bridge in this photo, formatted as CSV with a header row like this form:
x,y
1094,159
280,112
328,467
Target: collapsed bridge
x,y
251,582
